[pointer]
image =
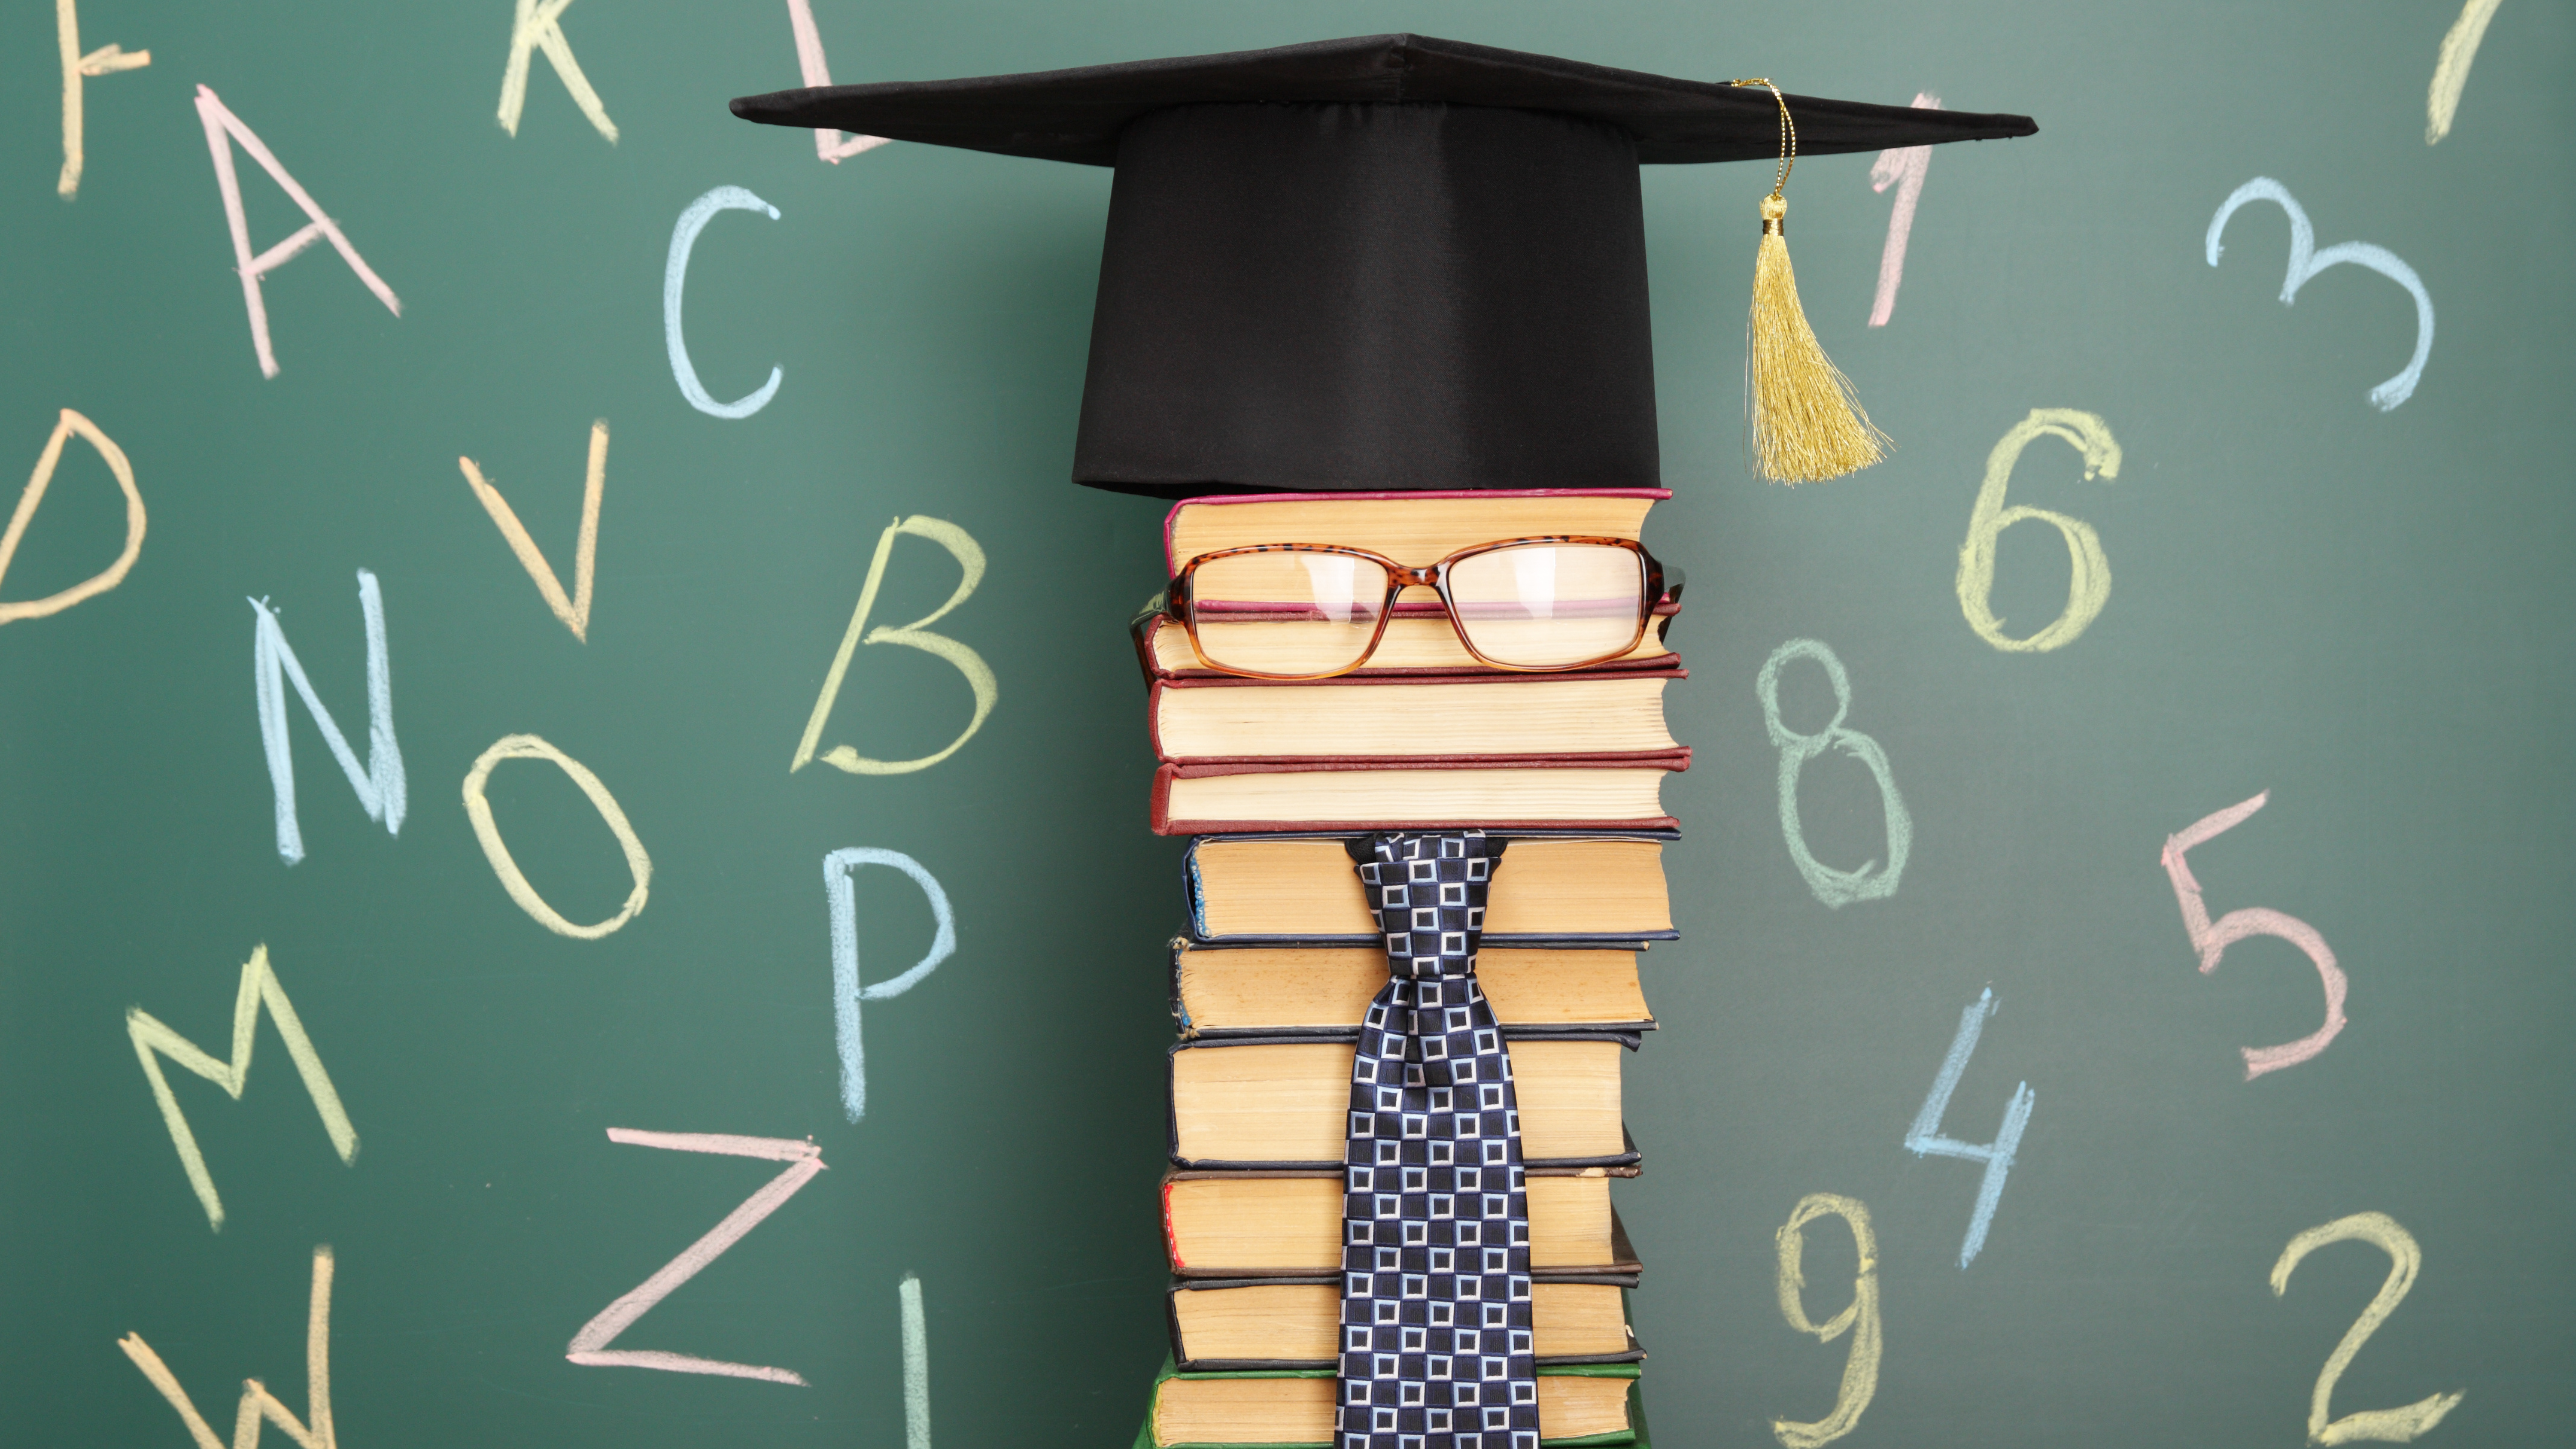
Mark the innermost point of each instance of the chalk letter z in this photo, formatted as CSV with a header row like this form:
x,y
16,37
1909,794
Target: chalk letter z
x,y
591,1345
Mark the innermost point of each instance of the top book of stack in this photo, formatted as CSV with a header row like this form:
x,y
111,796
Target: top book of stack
x,y
1423,734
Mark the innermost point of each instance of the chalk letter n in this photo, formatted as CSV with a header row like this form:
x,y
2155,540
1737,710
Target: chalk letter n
x,y
153,1040
379,782
223,128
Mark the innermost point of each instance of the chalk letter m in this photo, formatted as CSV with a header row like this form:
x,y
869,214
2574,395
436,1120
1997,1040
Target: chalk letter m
x,y
153,1040
379,782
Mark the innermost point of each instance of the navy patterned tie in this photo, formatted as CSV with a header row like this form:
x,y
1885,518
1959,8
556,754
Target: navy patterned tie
x,y
1436,1339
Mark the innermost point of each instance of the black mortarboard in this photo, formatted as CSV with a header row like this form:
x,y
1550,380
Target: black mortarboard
x,y
1389,262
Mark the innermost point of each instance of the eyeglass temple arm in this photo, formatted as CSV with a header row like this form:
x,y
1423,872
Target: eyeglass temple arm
x,y
1673,581
1140,633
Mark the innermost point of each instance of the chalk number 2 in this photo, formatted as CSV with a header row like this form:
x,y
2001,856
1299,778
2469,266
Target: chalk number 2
x,y
2388,1426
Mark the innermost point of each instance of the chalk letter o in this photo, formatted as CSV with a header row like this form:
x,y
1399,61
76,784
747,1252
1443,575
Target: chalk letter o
x,y
479,811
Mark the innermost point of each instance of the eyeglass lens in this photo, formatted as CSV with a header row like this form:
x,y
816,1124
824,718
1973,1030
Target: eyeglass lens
x,y
1532,606
1287,612
1549,605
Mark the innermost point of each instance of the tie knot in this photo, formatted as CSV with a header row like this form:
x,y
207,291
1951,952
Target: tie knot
x,y
1428,894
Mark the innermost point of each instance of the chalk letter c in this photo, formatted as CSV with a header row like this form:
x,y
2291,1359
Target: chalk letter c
x,y
675,276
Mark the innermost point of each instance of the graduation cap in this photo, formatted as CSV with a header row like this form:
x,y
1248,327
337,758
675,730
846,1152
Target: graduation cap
x,y
1395,262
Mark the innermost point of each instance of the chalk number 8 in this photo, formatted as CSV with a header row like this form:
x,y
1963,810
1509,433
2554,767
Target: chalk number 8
x,y
2088,581
2392,1426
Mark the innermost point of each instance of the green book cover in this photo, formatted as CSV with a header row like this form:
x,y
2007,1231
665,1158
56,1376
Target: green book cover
x,y
1632,1437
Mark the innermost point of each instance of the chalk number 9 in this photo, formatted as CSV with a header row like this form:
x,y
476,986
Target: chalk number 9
x,y
1859,1318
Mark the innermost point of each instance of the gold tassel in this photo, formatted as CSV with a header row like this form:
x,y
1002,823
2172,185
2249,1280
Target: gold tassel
x,y
1803,423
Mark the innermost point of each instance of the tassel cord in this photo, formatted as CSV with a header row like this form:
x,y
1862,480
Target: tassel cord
x,y
1803,421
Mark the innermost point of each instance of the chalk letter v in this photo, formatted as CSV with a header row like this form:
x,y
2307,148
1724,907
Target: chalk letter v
x,y
575,611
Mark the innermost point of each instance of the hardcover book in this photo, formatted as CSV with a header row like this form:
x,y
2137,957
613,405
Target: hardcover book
x,y
1487,792
1419,639
1226,1325
1288,1222
1588,714
1326,990
1412,527
1269,1102
1580,1406
1568,888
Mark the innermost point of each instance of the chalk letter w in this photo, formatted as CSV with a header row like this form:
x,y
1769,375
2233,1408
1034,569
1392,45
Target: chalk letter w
x,y
222,124
258,1405
259,987
379,782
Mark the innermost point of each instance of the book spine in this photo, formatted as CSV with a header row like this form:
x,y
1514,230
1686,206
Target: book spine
x,y
1163,822
1171,1234
1173,518
1148,629
1194,887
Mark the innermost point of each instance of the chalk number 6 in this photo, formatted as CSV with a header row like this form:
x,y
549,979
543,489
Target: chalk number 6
x,y
2390,1426
2088,581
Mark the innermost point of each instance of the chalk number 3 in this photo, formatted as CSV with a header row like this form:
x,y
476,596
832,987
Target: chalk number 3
x,y
2389,1426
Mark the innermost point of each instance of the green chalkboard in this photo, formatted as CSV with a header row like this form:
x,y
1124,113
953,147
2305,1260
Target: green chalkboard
x,y
2306,585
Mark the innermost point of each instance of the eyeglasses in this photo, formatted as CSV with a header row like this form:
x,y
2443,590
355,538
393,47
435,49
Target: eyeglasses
x,y
1312,611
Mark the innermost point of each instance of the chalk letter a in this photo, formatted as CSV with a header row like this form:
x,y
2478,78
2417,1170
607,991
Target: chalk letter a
x,y
379,783
538,26
222,128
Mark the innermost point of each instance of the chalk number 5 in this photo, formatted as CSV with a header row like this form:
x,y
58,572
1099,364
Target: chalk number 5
x,y
2389,1426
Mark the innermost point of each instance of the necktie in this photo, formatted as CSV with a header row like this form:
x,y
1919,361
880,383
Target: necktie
x,y
1436,1350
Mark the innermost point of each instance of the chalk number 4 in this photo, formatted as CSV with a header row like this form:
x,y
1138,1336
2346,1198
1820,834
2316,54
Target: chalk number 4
x,y
2389,1426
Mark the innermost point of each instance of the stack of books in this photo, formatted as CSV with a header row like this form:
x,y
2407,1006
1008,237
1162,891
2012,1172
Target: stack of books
x,y
1281,955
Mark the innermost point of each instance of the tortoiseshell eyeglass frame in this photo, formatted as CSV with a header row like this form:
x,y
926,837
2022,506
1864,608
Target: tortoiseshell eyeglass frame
x,y
1661,584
